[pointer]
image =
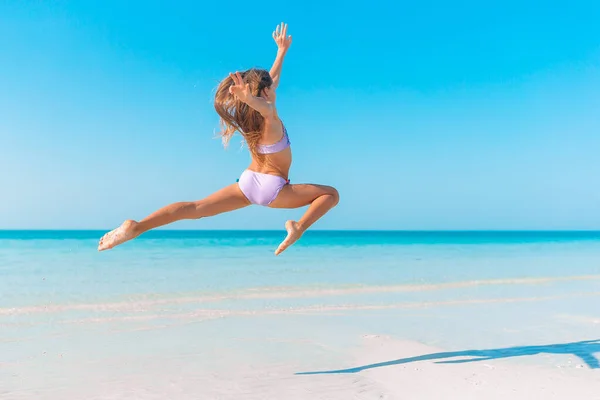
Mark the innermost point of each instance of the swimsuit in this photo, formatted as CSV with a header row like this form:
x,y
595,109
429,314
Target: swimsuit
x,y
261,188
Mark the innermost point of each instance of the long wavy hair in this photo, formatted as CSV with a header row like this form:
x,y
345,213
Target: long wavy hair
x,y
237,115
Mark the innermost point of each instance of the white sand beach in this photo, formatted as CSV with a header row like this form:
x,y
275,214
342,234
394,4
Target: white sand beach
x,y
287,357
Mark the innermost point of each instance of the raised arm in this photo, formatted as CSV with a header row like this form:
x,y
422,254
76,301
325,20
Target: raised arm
x,y
283,44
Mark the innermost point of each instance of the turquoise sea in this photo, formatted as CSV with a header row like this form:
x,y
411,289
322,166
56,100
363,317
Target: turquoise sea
x,y
63,267
162,292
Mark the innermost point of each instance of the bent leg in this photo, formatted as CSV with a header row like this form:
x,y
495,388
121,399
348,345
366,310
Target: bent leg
x,y
320,198
227,199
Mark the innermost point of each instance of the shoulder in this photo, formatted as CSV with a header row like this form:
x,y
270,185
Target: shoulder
x,y
270,112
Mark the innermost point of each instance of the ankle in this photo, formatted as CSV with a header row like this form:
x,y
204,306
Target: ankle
x,y
301,226
138,227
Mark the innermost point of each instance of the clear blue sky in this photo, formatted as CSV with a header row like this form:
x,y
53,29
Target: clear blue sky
x,y
437,115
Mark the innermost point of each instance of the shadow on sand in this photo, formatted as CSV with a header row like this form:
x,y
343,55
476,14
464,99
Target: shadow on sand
x,y
584,350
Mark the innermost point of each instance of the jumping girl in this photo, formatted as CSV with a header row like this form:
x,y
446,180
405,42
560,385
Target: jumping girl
x,y
246,103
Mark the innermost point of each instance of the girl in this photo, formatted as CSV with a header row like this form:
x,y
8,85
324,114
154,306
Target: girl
x,y
246,103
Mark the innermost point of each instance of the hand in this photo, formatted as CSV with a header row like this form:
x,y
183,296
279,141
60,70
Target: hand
x,y
238,88
280,35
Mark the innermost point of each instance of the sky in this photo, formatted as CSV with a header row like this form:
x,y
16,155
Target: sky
x,y
436,115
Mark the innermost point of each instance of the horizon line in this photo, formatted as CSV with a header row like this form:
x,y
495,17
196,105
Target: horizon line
x,y
310,230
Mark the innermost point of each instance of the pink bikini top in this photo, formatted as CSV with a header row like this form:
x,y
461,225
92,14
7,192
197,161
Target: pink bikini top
x,y
282,144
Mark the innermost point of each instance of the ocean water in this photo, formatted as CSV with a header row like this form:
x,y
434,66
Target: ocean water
x,y
61,268
174,293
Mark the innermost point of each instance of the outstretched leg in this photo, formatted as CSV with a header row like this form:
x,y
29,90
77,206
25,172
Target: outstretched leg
x,y
227,199
321,199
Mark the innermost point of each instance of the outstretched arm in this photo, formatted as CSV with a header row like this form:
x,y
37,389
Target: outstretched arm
x,y
242,91
283,44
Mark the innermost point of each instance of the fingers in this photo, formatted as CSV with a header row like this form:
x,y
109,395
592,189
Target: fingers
x,y
238,82
233,78
280,31
237,78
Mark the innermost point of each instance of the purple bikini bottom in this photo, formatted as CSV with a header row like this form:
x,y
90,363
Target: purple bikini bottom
x,y
261,188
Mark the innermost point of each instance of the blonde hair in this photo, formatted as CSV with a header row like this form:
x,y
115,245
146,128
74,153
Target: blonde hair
x,y
237,115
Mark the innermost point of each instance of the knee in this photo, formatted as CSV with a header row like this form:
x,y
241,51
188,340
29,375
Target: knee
x,y
190,209
333,192
200,209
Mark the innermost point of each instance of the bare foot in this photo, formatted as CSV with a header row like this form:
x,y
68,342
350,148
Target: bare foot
x,y
294,233
118,236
